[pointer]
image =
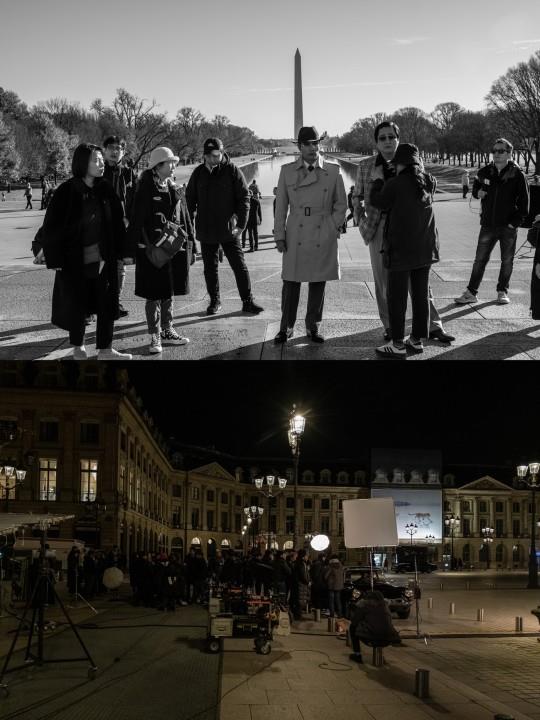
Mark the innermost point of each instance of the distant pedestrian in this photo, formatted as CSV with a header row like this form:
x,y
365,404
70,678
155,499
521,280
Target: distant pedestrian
x,y
157,202
83,236
3,196
28,196
350,206
465,181
255,189
410,246
503,191
217,195
254,220
123,180
310,210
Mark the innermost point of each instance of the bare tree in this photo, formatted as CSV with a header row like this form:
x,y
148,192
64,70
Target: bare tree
x,y
515,96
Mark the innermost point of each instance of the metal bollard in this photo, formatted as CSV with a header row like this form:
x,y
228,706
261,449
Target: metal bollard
x,y
430,603
317,614
452,609
468,585
378,657
519,624
421,683
331,624
480,615
441,586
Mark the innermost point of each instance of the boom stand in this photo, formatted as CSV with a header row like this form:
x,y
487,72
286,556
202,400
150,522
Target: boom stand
x,y
417,594
37,601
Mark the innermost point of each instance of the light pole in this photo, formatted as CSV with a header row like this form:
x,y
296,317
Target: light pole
x,y
269,481
532,483
487,534
297,425
451,522
252,513
411,529
10,473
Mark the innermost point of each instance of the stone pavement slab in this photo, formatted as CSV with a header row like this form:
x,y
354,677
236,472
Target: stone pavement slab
x,y
484,331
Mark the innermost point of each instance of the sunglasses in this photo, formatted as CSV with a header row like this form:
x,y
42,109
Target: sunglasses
x,y
386,137
499,151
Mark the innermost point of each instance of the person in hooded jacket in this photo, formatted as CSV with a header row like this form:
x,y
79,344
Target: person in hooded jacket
x,y
410,247
535,279
217,195
300,585
334,578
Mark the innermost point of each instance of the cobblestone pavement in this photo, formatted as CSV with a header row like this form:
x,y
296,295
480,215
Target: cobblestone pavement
x,y
151,665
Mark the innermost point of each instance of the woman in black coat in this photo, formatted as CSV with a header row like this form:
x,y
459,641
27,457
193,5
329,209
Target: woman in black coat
x,y
410,246
158,201
83,238
534,239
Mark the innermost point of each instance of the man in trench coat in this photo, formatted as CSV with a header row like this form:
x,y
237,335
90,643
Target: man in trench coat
x,y
311,204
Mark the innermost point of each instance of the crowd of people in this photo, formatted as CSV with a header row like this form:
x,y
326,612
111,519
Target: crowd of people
x,y
105,218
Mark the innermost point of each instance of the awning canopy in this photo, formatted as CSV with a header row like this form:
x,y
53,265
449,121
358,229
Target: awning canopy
x,y
10,522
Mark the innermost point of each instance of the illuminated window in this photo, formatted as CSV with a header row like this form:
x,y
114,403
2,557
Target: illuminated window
x,y
89,470
47,479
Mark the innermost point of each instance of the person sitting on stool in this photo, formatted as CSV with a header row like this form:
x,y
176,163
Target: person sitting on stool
x,y
371,623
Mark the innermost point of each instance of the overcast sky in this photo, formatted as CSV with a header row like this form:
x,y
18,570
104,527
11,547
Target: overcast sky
x,y
235,58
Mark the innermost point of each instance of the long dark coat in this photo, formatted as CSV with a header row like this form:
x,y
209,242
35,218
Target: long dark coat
x,y
63,249
411,239
173,278
535,285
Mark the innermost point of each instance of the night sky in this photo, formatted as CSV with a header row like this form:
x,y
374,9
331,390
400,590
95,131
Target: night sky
x,y
485,412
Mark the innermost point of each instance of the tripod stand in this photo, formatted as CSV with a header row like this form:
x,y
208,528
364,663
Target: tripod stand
x,y
44,585
77,596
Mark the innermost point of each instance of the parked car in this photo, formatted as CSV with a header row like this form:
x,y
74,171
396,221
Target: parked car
x,y
358,580
407,566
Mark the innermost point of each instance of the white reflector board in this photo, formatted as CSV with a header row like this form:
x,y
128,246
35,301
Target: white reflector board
x,y
369,523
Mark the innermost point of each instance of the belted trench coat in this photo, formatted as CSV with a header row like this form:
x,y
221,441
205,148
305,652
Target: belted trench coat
x,y
310,210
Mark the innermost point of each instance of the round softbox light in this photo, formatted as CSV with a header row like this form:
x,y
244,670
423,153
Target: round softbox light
x,y
113,577
320,542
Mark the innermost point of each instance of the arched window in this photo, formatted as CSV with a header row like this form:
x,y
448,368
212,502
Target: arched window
x,y
196,541
307,477
326,477
288,545
343,478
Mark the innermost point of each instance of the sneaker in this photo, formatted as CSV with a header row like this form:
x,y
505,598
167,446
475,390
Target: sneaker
x,y
155,344
502,298
214,307
112,354
79,353
282,337
391,351
414,346
171,337
467,298
250,306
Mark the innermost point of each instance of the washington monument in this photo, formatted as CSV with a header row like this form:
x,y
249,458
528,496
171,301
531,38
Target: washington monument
x,y
298,109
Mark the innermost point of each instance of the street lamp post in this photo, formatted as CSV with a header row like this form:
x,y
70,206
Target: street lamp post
x,y
297,424
487,534
269,481
411,529
252,513
10,473
532,483
451,522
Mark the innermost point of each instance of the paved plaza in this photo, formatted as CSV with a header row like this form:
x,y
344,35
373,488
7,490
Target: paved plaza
x,y
485,331
153,665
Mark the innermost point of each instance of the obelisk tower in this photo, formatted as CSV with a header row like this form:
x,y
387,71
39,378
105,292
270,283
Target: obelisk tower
x,y
298,108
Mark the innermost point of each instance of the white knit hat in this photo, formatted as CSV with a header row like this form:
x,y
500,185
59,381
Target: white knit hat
x,y
160,154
